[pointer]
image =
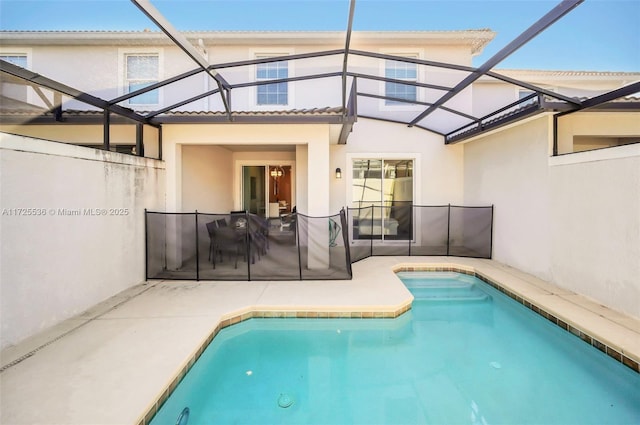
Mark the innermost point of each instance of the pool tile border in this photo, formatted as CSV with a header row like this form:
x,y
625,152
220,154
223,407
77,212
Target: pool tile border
x,y
238,317
580,333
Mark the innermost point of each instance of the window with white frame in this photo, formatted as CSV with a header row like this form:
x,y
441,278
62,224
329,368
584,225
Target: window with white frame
x,y
400,71
276,93
18,59
522,93
19,91
142,70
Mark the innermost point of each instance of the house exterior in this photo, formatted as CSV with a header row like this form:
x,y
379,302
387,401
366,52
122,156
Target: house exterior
x,y
281,144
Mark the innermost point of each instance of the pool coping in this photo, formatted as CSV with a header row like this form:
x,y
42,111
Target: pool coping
x,y
615,351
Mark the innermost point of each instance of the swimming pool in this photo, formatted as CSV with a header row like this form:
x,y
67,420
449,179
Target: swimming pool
x,y
464,354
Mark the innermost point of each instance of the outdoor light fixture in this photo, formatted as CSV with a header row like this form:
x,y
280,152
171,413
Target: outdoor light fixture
x,y
338,173
276,172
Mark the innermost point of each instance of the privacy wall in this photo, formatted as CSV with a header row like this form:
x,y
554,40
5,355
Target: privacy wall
x,y
573,220
71,229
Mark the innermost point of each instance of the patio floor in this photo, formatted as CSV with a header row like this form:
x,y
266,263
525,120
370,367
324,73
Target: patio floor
x,y
110,364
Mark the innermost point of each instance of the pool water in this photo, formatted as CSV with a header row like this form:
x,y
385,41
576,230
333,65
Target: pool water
x,y
464,354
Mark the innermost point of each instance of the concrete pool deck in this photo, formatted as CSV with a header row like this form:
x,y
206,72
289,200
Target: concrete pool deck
x,y
110,364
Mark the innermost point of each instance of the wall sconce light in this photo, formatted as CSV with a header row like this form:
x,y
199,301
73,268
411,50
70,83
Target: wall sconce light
x,y
338,173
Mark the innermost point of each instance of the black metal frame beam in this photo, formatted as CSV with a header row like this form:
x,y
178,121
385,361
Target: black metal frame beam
x,y
252,119
182,103
416,61
465,69
349,116
352,7
532,87
597,102
223,65
33,78
259,61
181,41
527,110
371,117
393,80
612,95
571,105
287,80
547,20
416,102
498,111
155,86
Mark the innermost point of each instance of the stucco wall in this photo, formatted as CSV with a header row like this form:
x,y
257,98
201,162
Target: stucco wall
x,y
573,220
62,257
595,124
206,179
595,225
240,140
439,169
509,170
88,134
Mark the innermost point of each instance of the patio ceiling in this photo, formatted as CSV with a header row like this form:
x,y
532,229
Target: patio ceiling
x,y
463,126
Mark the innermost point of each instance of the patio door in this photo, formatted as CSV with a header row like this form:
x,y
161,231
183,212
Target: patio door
x,y
382,198
254,189
265,188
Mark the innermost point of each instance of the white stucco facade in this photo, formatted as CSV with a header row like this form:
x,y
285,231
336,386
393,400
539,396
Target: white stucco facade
x,y
72,229
573,221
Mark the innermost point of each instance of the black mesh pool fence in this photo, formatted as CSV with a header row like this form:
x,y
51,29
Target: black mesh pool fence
x,y
244,246
403,229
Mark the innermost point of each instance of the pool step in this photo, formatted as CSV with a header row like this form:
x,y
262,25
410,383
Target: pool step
x,y
471,293
442,286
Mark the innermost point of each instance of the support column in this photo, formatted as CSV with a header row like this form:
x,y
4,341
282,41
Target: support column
x,y
173,171
318,202
106,129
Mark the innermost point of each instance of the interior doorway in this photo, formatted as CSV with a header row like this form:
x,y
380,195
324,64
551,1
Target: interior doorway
x,y
253,189
267,189
279,190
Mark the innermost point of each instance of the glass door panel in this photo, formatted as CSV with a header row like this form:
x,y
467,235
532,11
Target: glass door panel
x,y
254,189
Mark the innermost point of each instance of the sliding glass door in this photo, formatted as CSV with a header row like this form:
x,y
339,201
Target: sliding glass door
x,y
254,189
382,192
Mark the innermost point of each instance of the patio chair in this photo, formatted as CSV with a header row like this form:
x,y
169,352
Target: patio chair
x,y
288,221
224,239
259,232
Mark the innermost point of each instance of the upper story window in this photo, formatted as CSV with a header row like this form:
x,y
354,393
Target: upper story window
x,y
522,93
272,94
400,71
142,70
17,91
19,59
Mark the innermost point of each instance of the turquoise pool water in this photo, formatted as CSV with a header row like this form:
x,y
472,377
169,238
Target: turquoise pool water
x,y
464,354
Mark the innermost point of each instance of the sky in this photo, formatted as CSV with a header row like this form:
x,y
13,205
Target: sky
x,y
598,35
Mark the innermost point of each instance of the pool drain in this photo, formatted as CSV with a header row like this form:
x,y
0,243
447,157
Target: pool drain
x,y
284,401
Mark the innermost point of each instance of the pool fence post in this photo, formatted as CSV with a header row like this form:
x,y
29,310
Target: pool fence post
x,y
491,234
297,230
146,247
448,227
197,250
345,237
